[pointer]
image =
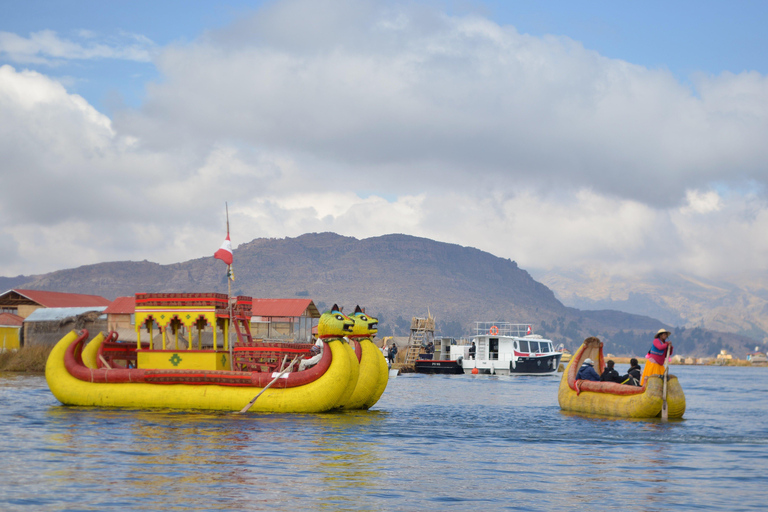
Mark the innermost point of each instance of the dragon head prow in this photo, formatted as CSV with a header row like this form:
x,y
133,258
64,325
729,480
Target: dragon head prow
x,y
365,325
334,324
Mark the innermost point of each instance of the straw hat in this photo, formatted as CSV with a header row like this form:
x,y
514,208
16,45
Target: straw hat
x,y
662,331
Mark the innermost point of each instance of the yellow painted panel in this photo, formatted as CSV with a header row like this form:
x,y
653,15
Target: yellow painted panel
x,y
9,338
183,359
162,318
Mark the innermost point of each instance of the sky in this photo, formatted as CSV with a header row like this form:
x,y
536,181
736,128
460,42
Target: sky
x,y
627,136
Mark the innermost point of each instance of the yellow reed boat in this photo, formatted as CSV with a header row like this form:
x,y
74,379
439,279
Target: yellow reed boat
x,y
108,373
612,399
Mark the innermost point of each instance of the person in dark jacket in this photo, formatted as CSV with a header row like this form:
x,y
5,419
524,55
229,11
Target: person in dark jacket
x,y
472,350
632,378
587,372
392,353
610,374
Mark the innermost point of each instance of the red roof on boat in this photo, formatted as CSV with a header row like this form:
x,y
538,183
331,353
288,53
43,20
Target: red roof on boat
x,y
10,320
60,299
122,306
284,307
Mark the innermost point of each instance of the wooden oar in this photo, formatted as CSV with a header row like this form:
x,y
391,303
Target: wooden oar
x,y
104,362
664,409
245,409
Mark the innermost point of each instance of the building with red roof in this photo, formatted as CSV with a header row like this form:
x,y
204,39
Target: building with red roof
x,y
121,313
19,303
24,302
283,318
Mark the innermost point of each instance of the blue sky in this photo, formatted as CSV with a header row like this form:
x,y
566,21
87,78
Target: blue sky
x,y
685,36
558,134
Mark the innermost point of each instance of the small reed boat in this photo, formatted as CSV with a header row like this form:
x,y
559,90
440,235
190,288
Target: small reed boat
x,y
612,399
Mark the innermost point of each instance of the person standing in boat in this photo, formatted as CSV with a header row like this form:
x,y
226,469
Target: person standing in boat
x,y
655,358
587,372
472,350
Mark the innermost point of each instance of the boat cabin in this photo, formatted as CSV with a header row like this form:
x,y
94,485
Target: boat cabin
x,y
507,348
194,331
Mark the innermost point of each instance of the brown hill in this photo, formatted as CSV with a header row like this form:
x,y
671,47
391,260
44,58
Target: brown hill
x,y
393,276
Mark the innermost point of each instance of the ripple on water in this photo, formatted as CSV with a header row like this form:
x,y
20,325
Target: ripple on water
x,y
457,442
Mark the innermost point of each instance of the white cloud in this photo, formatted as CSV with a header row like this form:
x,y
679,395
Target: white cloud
x,y
460,93
365,118
47,47
702,202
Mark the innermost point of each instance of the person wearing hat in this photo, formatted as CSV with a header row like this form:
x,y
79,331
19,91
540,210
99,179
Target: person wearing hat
x,y
655,358
587,372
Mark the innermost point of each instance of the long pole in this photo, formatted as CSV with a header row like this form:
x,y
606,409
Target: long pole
x,y
664,409
229,303
248,406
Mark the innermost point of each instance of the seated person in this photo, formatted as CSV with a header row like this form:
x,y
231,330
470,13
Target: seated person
x,y
610,374
587,372
632,378
317,354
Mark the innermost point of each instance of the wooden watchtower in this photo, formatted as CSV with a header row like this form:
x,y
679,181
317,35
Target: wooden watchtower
x,y
422,332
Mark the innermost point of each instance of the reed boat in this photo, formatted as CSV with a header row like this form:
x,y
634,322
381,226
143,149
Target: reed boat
x,y
612,399
374,372
110,373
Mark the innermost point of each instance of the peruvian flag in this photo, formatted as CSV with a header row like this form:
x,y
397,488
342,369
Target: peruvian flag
x,y
225,252
527,332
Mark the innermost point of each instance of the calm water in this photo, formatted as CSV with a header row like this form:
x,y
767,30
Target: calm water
x,y
431,443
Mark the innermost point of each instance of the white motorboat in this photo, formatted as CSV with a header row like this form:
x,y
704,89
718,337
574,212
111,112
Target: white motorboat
x,y
503,348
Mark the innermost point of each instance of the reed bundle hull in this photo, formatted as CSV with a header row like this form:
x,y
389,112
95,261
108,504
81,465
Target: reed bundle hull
x,y
612,399
118,387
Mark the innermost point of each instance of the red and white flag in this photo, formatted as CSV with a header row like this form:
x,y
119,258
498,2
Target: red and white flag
x,y
225,252
529,330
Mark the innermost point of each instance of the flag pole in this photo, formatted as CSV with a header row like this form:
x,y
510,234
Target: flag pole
x,y
229,302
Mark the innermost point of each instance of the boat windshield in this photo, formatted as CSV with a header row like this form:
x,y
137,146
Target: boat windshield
x,y
535,347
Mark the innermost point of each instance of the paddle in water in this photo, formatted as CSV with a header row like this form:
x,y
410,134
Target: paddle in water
x,y
248,406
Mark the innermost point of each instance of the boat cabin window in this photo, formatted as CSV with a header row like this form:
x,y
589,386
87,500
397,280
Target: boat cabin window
x,y
493,348
534,346
524,346
546,346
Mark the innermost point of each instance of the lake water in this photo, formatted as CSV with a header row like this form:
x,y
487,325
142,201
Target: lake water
x,y
431,443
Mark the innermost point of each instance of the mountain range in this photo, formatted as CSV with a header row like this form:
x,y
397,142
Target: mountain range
x,y
395,277
735,303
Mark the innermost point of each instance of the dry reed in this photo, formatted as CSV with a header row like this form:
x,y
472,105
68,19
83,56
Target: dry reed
x,y
26,359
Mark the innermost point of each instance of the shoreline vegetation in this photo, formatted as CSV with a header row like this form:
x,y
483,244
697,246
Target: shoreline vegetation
x,y
25,359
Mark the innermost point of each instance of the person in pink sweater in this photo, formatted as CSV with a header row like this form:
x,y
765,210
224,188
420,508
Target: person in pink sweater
x,y
656,356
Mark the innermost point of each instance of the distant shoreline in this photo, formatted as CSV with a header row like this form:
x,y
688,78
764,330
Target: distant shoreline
x,y
33,359
713,362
